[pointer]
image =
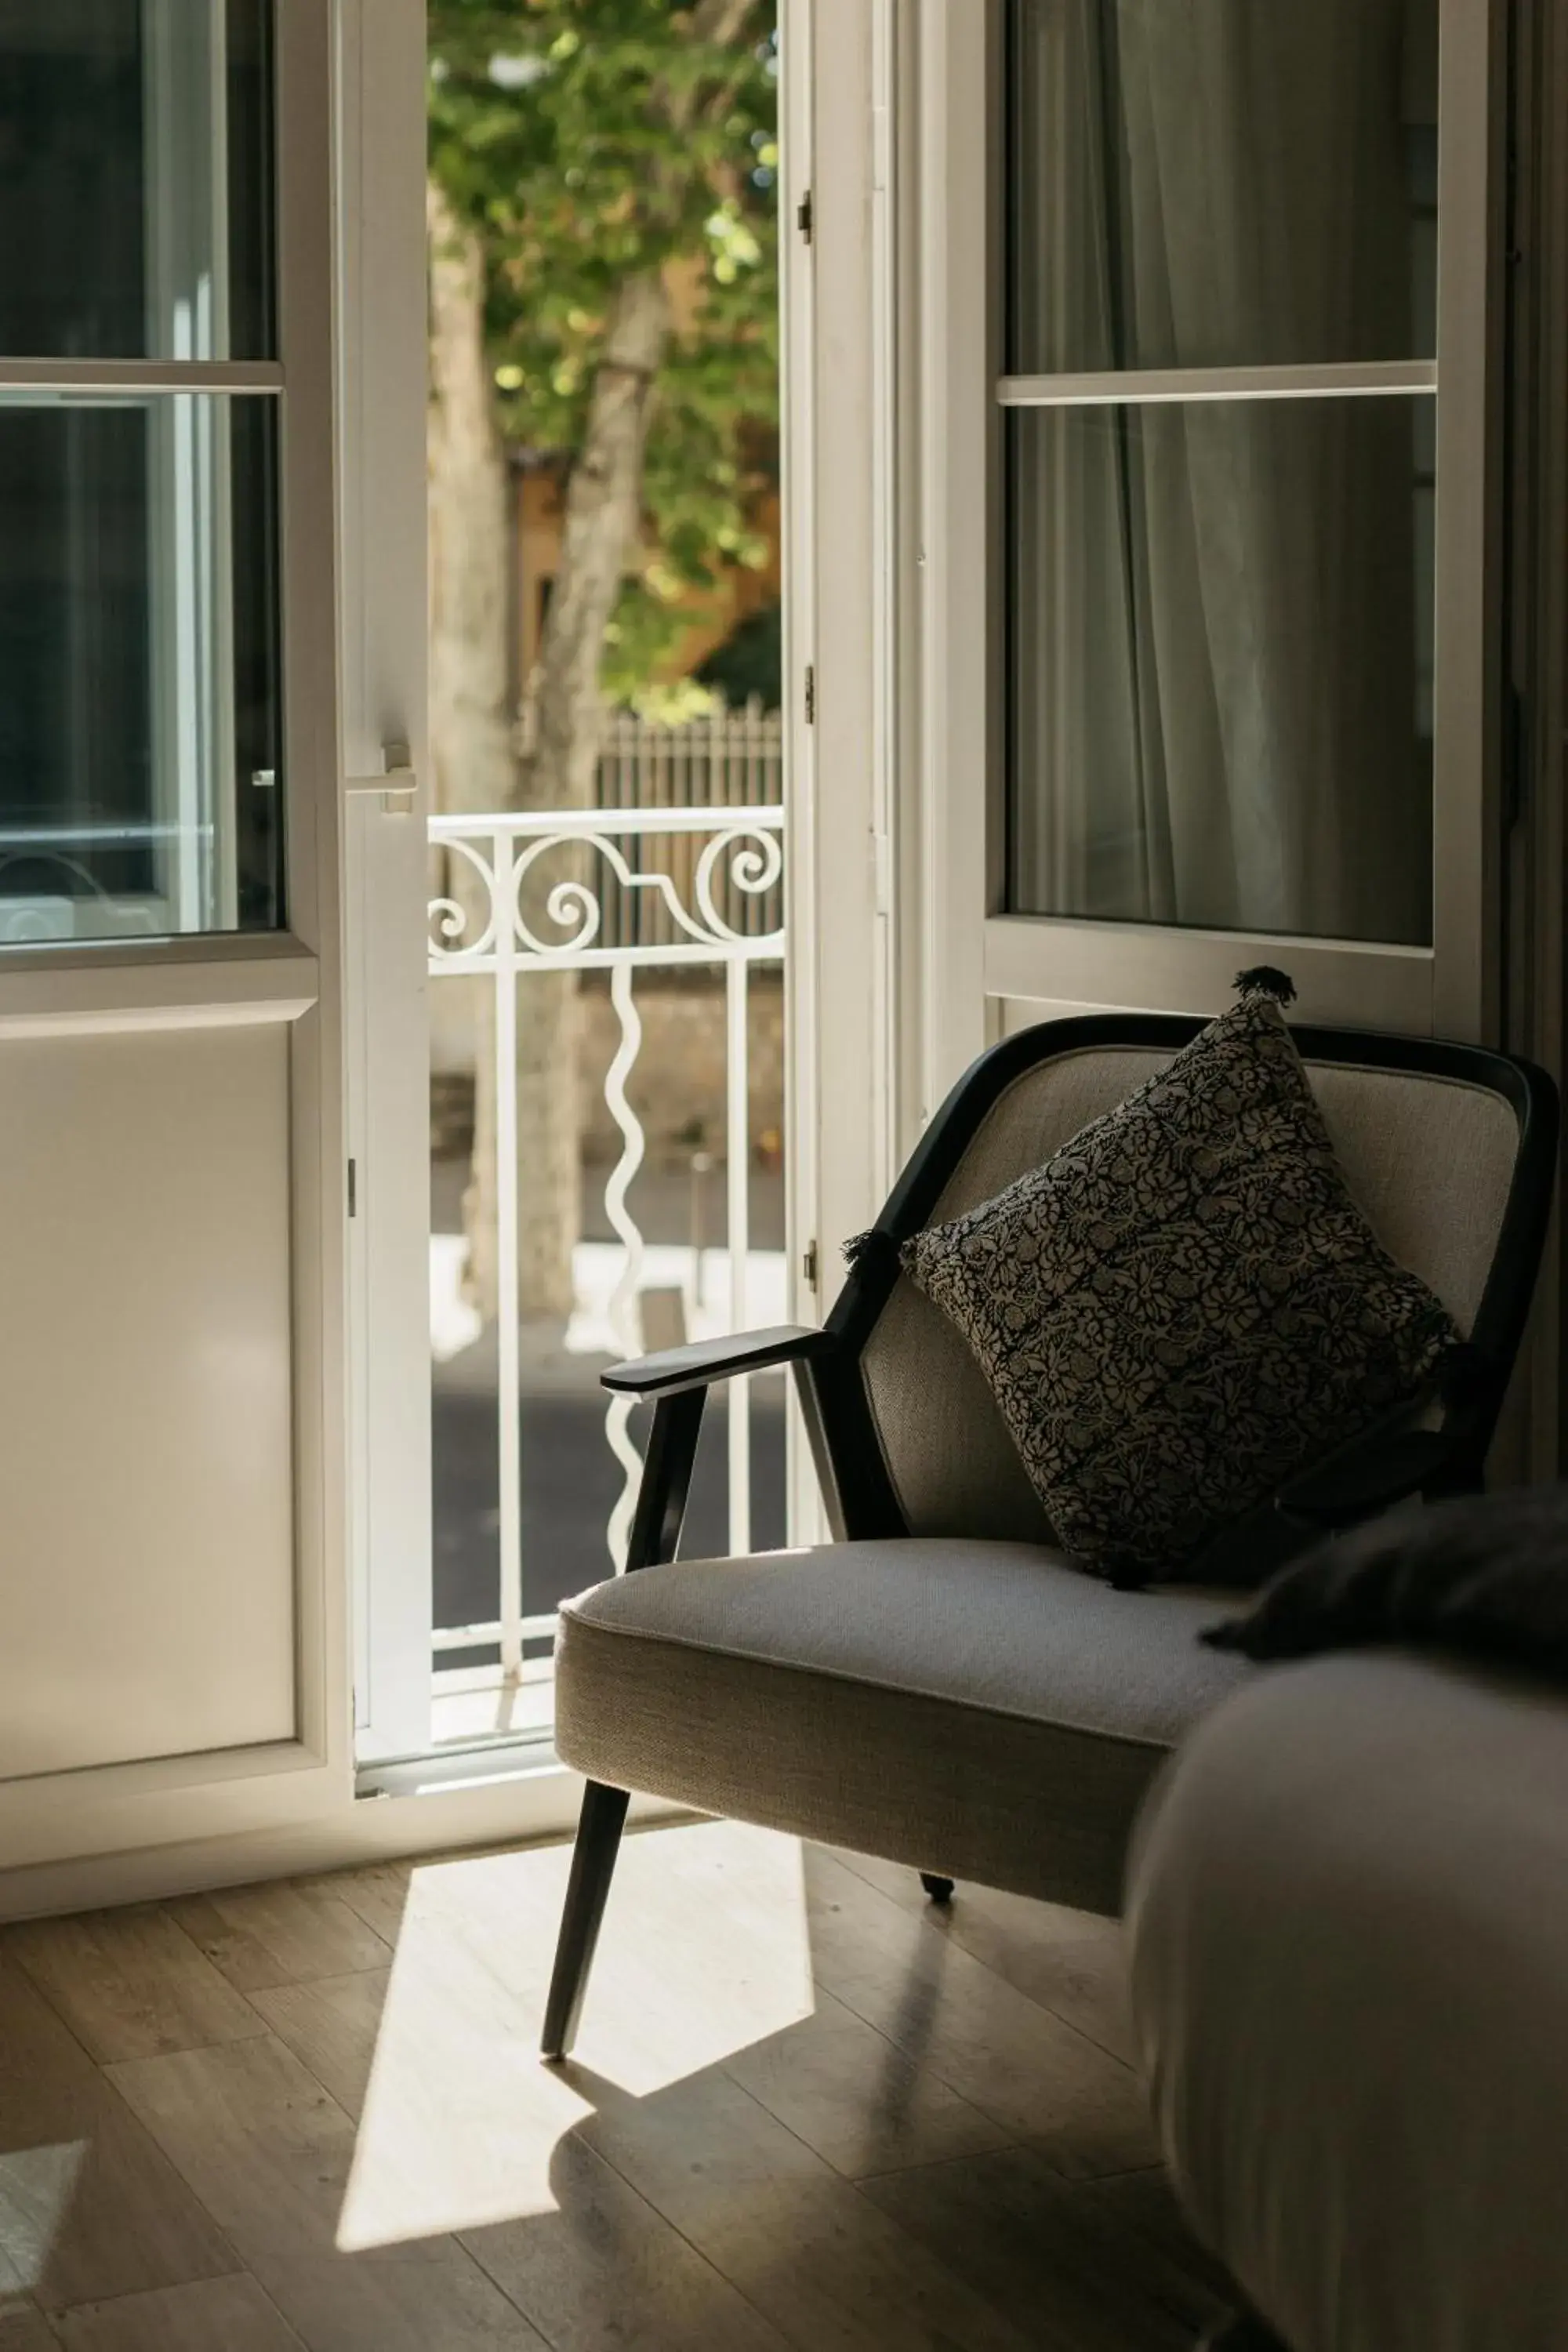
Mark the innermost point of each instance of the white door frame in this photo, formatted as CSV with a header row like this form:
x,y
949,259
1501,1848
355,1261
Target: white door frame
x,y
386,711
841,472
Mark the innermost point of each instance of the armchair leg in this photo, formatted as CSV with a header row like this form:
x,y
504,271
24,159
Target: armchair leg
x,y
592,1864
939,1889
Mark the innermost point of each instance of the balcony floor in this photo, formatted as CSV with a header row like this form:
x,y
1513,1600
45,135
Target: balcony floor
x,y
806,2110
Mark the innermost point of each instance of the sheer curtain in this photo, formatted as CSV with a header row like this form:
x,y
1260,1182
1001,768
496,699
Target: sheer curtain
x,y
1212,610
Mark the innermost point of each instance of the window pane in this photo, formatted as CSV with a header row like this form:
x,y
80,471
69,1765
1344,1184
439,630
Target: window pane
x,y
139,784
1226,183
135,183
1220,665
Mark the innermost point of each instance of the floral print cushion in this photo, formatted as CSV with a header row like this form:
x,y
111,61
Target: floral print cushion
x,y
1184,1306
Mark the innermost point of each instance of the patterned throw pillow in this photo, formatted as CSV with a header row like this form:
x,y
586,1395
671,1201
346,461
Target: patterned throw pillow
x,y
1186,1306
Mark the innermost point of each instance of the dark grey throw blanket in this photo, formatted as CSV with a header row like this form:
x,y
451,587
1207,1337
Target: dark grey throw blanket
x,y
1486,1577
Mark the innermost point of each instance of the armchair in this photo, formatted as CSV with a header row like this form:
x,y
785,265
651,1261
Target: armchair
x,y
940,1685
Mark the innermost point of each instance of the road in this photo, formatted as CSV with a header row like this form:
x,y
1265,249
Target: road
x,y
570,1478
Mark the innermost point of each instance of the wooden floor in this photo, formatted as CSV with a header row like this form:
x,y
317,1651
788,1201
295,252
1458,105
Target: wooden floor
x,y
806,2109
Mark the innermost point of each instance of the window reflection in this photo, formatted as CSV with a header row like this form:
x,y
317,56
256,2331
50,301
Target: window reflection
x,y
139,668
136,182
1220,621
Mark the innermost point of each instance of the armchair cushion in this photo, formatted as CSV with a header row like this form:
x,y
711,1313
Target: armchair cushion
x,y
1184,1306
976,1708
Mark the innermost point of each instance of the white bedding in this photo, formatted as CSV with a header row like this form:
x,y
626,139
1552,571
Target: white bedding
x,y
1348,1921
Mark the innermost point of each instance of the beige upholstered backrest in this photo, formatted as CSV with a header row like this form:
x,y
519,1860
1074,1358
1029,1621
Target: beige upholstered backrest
x,y
1429,1161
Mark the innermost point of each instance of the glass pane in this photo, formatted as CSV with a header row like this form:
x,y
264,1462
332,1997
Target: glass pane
x,y
140,783
135,180
1220,665
1226,183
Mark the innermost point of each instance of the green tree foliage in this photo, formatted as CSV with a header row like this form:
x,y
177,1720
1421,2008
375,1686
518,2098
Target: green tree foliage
x,y
588,140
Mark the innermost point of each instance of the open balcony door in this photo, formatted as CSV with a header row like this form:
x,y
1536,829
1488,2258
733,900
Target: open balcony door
x,y
1212,588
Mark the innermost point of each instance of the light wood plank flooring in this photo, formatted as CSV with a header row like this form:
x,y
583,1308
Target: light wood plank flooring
x,y
806,2110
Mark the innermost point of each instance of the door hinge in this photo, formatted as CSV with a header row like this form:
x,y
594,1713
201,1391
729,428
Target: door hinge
x,y
353,1187
805,217
882,871
808,1265
811,694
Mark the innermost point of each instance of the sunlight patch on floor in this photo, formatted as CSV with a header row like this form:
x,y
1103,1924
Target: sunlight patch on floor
x,y
461,2121
36,2186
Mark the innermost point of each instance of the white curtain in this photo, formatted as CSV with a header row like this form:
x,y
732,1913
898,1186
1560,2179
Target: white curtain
x,y
1213,646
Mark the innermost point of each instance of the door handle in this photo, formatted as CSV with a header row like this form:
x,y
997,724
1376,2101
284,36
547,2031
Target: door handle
x,y
397,783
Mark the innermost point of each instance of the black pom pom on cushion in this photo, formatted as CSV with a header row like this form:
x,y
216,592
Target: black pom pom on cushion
x,y
874,1248
1266,980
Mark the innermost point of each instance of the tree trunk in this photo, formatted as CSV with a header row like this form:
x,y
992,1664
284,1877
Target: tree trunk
x,y
604,501
470,542
602,512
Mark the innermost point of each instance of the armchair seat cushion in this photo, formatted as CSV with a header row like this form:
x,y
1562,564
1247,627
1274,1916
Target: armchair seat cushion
x,y
980,1709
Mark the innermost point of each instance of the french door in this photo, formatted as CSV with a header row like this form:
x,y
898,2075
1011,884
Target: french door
x,y
1208,363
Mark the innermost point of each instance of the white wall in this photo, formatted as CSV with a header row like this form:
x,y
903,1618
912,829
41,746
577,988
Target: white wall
x,y
147,1602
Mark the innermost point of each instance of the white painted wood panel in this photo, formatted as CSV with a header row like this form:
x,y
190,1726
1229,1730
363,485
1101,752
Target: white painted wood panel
x,y
147,1545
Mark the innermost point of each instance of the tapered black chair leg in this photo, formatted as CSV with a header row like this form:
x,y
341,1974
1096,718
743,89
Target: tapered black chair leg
x,y
593,1865
939,1889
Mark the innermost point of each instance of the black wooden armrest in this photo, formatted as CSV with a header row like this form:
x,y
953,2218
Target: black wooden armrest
x,y
1376,1475
704,1362
677,1381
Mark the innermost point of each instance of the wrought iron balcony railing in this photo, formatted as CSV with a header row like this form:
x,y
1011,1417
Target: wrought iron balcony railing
x,y
618,891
